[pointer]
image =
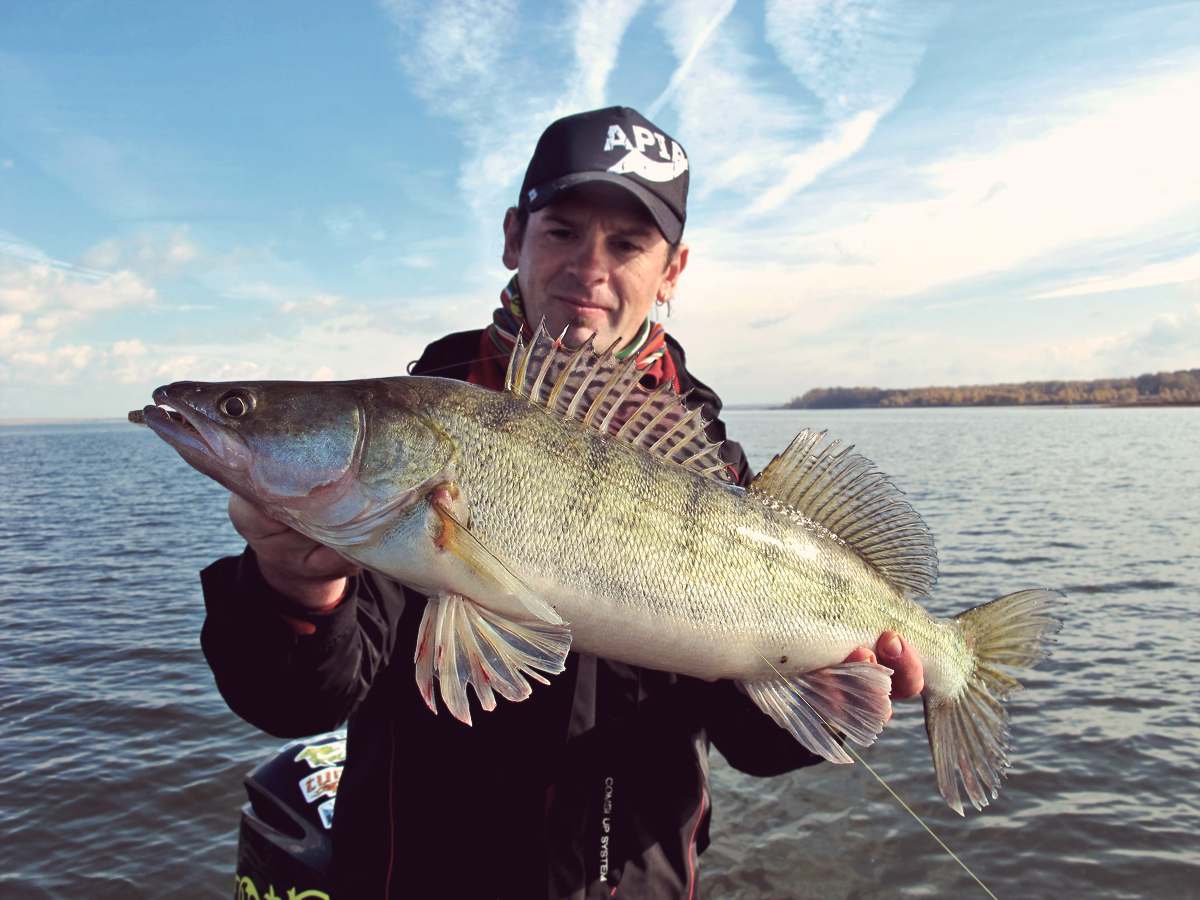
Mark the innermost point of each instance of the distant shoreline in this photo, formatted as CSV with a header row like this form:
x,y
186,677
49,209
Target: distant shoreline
x,y
1181,388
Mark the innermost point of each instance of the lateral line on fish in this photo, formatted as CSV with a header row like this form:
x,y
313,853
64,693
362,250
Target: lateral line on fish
x,y
879,778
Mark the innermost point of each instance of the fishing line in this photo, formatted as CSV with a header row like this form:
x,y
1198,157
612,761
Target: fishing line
x,y
854,753
408,369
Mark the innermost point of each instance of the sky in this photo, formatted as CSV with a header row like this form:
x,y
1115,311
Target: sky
x,y
889,194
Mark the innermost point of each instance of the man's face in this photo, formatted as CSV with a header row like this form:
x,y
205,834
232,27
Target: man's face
x,y
593,261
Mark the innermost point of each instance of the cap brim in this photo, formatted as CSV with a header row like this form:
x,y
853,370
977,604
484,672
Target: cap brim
x,y
664,217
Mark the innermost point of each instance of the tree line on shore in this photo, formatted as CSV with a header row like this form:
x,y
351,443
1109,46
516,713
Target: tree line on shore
x,y
1157,389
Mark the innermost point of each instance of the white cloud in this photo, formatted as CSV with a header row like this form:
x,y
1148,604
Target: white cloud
x,y
939,352
317,303
936,356
803,168
57,366
418,261
1171,340
126,356
503,83
854,59
1143,276
256,290
599,27
855,55
45,303
320,338
503,80
860,58
1121,172
355,344
716,14
735,132
463,59
16,248
30,287
155,255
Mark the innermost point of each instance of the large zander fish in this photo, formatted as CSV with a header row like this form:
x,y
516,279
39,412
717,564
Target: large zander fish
x,y
575,509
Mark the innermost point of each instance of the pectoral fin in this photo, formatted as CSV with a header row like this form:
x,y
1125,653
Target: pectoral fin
x,y
849,697
456,538
461,642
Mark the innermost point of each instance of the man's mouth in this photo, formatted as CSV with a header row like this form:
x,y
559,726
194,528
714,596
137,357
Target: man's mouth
x,y
583,304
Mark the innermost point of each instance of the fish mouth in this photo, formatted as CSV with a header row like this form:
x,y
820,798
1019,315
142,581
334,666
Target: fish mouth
x,y
187,428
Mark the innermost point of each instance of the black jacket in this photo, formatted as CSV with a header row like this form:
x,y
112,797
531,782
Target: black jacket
x,y
598,781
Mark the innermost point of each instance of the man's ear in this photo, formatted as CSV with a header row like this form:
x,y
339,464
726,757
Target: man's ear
x,y
670,280
512,239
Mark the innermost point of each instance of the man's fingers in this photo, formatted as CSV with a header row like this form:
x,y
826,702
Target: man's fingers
x,y
324,561
908,675
292,563
250,521
865,654
862,654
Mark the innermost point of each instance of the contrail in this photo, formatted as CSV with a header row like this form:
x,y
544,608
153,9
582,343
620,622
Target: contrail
x,y
686,65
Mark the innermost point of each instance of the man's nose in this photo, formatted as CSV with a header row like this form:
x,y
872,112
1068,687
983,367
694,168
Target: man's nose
x,y
590,262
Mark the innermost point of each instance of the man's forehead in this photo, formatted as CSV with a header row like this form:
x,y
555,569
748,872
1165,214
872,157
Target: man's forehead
x,y
618,209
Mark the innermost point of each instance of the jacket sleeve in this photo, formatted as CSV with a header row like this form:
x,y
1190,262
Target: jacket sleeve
x,y
286,684
747,737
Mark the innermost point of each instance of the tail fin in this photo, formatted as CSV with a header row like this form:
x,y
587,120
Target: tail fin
x,y
968,734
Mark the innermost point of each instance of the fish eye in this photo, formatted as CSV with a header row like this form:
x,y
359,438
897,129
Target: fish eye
x,y
236,403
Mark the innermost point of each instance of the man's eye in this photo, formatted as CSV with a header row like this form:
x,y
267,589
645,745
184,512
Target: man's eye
x,y
625,246
561,234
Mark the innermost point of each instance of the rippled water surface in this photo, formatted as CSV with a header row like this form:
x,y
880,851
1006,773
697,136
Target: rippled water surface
x,y
122,767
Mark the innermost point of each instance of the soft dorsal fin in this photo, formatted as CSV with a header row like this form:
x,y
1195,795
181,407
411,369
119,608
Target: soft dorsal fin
x,y
844,493
603,394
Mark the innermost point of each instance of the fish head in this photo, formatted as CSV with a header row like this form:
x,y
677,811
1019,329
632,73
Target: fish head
x,y
316,455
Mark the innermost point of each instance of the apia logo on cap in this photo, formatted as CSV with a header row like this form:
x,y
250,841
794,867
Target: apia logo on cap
x,y
636,162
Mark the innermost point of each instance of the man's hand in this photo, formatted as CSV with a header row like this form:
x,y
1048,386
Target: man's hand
x,y
295,565
891,650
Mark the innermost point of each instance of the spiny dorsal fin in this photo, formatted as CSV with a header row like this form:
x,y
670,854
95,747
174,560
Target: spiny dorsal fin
x,y
603,394
845,494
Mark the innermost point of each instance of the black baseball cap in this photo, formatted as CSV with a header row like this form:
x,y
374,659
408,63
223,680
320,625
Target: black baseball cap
x,y
618,146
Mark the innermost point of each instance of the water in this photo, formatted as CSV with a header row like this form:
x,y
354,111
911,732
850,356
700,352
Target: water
x,y
1101,504
122,766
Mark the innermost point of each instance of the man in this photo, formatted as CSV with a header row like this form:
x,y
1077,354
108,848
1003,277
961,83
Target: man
x,y
597,783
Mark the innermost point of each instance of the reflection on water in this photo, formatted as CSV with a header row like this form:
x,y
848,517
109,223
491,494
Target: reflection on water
x,y
123,767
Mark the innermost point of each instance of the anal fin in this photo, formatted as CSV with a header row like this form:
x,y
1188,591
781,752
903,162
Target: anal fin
x,y
461,643
852,698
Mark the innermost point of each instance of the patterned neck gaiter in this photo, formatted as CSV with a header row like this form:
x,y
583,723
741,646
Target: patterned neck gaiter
x,y
509,320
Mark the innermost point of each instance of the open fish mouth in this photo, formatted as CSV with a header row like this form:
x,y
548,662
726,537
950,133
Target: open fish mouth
x,y
179,424
138,416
